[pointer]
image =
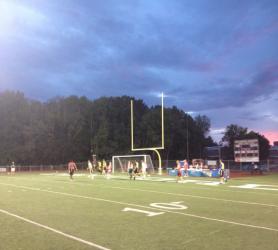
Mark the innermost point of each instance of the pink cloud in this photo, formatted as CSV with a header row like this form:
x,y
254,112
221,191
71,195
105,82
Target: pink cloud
x,y
271,136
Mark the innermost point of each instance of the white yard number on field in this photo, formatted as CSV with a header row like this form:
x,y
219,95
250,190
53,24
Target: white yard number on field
x,y
171,205
148,213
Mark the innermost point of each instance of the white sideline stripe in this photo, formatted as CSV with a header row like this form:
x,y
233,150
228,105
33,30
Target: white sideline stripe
x,y
54,230
257,188
195,188
197,196
141,206
186,195
178,194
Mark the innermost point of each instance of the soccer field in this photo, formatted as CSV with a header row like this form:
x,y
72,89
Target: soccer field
x,y
40,211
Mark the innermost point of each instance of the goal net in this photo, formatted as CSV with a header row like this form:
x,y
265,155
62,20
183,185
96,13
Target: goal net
x,y
121,163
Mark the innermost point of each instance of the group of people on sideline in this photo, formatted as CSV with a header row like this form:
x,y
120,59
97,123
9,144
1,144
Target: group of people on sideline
x,y
183,168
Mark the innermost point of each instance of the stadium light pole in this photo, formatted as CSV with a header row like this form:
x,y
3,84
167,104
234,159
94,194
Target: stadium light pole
x,y
187,139
91,135
188,115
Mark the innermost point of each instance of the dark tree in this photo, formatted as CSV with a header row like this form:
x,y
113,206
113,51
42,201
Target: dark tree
x,y
61,129
234,132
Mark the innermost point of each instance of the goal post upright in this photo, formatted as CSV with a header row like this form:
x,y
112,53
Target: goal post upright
x,y
155,149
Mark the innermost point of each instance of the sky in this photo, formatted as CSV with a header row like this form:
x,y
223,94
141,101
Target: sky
x,y
214,58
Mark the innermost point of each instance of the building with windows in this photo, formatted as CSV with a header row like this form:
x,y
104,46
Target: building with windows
x,y
273,152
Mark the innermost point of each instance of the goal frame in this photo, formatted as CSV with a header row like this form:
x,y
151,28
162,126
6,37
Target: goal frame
x,y
127,156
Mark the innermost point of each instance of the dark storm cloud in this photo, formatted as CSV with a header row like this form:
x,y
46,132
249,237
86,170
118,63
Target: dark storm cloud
x,y
252,117
265,83
205,55
236,92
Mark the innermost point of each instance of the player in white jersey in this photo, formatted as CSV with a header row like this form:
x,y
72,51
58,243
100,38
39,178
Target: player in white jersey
x,y
144,169
109,171
90,168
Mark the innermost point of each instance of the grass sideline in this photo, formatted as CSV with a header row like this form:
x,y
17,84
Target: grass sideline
x,y
51,212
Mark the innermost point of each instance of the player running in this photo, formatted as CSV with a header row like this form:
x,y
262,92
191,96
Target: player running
x,y
178,168
71,168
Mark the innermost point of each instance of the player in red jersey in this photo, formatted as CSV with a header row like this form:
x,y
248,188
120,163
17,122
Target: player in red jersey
x,y
178,168
72,168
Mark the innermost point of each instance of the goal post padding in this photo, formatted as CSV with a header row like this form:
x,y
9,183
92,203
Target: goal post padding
x,y
120,163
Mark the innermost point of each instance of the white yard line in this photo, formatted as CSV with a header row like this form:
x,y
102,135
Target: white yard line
x,y
141,206
197,196
54,230
187,187
177,194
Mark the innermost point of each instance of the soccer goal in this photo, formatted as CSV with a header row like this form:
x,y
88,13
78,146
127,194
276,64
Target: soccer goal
x,y
121,163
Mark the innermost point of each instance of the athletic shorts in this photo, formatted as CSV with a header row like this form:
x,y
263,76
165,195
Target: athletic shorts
x,y
221,173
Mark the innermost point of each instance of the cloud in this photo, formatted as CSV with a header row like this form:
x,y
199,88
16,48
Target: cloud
x,y
216,58
264,83
272,136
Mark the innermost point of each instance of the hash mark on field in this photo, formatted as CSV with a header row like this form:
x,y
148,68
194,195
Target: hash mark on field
x,y
190,240
142,206
193,239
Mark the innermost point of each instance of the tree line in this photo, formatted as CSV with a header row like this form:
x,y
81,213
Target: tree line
x,y
65,128
235,132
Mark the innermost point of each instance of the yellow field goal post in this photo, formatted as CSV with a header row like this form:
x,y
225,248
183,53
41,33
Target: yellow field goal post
x,y
154,149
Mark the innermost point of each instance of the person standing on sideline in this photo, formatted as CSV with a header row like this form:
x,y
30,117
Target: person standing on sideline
x,y
13,168
71,168
90,168
185,168
222,169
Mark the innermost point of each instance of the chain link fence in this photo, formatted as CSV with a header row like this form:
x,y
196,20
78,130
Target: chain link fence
x,y
40,168
265,166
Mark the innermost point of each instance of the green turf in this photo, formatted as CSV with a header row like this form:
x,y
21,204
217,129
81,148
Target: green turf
x,y
217,217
